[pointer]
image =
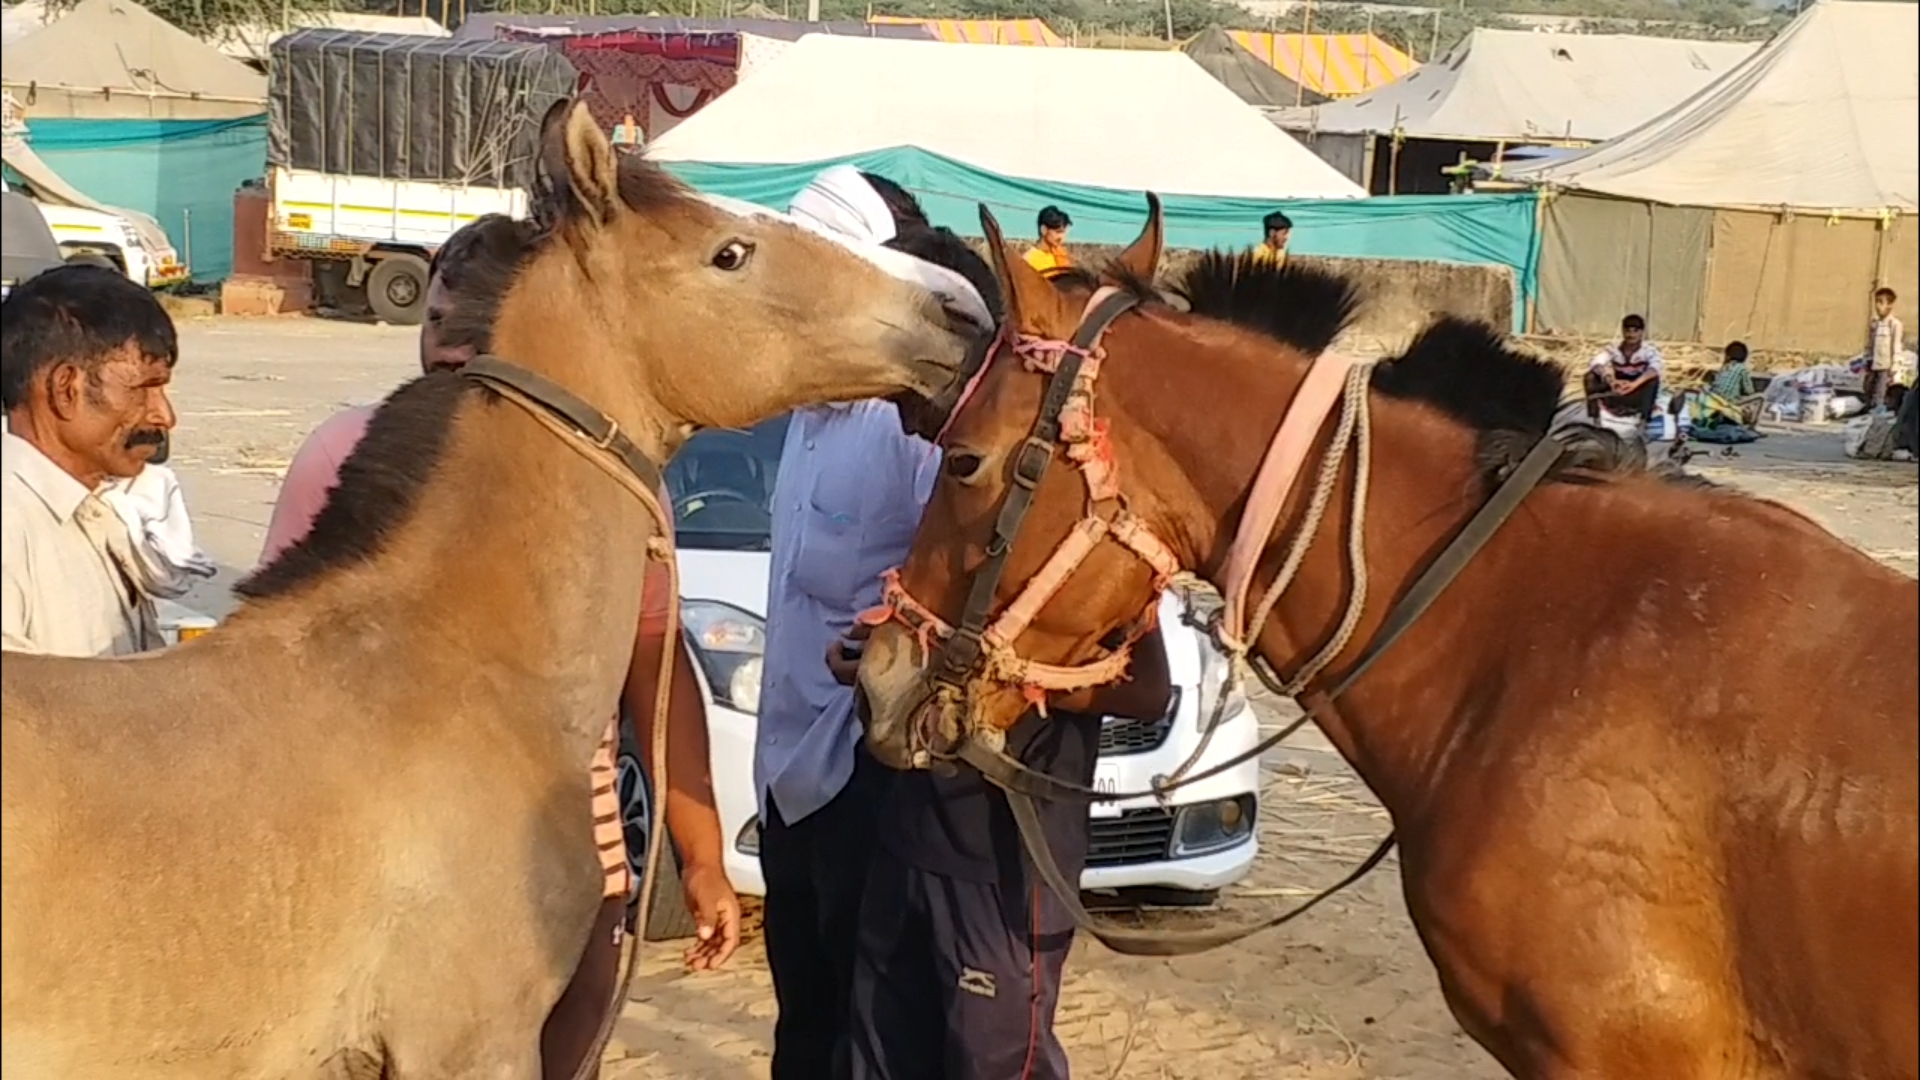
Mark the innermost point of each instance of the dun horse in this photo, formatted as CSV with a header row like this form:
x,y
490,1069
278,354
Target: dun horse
x,y
1651,758
349,834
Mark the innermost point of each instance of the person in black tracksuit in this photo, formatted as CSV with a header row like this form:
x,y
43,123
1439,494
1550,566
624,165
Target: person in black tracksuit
x,y
961,945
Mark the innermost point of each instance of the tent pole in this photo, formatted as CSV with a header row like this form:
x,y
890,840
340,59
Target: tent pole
x,y
1300,69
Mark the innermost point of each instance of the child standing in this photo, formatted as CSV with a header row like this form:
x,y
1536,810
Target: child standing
x,y
1886,341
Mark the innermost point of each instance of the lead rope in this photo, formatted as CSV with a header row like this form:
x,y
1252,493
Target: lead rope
x,y
660,549
1355,432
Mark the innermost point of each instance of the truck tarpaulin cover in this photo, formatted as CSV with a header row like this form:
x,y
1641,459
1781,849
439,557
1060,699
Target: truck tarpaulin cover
x,y
400,107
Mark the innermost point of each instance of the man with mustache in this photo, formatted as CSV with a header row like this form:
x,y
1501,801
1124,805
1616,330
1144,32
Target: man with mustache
x,y
85,360
463,286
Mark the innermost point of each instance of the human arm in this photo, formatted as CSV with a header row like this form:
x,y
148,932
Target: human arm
x,y
692,820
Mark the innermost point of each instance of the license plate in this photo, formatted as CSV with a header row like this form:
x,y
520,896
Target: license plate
x,y
299,221
1106,778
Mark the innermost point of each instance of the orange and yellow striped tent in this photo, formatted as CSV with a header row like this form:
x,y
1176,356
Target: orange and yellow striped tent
x,y
1337,65
983,31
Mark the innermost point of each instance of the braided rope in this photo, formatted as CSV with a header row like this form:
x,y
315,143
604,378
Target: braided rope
x,y
1354,433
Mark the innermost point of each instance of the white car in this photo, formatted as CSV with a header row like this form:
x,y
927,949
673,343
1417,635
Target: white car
x,y
115,241
1179,853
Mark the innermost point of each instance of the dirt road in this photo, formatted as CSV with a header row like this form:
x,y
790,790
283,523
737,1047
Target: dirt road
x,y
1346,993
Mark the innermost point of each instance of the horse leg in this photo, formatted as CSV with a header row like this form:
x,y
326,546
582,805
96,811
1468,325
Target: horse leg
x,y
1565,974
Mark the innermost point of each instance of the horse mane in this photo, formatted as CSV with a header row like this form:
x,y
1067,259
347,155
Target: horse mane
x,y
380,484
407,437
1465,370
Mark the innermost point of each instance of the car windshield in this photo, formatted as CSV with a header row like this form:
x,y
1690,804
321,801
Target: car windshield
x,y
721,483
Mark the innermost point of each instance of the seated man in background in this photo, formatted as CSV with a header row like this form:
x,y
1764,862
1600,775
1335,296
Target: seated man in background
x,y
1050,253
1278,229
1733,384
1623,379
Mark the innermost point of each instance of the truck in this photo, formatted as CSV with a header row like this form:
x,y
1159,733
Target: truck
x,y
381,146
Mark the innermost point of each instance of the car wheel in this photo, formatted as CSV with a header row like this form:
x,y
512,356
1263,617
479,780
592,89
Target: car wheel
x,y
670,920
397,289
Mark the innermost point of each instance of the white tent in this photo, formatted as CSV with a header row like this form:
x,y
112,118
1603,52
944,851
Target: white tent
x,y
1826,117
1517,86
1110,118
113,59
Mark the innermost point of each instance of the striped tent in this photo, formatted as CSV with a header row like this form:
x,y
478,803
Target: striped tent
x,y
1337,65
983,31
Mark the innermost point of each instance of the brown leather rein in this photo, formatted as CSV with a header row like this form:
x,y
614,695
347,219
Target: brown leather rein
x,y
597,437
980,646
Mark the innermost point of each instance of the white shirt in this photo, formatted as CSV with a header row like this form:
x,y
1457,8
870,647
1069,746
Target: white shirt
x,y
63,593
1611,360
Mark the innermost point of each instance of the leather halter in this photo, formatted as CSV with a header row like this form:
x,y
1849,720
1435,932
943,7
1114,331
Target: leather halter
x,y
982,644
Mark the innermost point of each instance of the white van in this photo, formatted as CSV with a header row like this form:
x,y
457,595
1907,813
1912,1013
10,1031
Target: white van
x,y
113,241
1179,853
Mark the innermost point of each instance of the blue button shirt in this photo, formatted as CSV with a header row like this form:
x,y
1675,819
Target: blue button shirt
x,y
846,503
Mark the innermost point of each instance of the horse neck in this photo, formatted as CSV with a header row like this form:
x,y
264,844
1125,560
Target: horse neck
x,y
1397,722
512,588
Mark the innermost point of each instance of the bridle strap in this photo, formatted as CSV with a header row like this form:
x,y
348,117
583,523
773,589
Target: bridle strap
x,y
538,394
597,437
1426,589
961,651
1022,785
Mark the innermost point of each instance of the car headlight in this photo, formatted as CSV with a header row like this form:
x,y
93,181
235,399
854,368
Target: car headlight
x,y
1221,692
728,644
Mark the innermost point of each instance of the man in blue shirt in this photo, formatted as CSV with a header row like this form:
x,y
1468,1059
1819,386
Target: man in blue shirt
x,y
961,948
846,502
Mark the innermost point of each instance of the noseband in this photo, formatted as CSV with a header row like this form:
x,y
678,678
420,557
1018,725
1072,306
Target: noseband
x,y
981,646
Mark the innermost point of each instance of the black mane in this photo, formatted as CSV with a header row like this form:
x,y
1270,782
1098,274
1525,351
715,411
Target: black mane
x,y
1466,370
379,485
1304,307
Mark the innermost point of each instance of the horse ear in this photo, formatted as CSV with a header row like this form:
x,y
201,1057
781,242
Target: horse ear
x,y
1030,303
1141,260
577,162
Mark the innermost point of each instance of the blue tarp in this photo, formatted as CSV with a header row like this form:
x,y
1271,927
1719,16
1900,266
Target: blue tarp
x,y
175,171
1477,229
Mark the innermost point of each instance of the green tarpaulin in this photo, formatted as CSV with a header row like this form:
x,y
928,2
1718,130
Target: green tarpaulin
x,y
182,173
1478,229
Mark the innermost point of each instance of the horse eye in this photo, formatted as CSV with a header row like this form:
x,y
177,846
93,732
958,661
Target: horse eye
x,y
733,255
963,466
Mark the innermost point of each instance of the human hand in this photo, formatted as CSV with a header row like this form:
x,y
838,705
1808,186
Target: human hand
x,y
843,656
716,914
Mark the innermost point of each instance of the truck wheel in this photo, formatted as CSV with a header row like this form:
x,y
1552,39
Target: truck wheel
x,y
397,289
88,258
670,920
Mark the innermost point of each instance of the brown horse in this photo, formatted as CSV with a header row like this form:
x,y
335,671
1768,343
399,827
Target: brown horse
x,y
1651,759
348,834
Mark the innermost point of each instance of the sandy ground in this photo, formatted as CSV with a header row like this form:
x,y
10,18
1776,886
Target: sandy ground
x,y
1346,993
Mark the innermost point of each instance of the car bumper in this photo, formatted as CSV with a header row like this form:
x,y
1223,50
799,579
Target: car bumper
x,y
164,274
1142,843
